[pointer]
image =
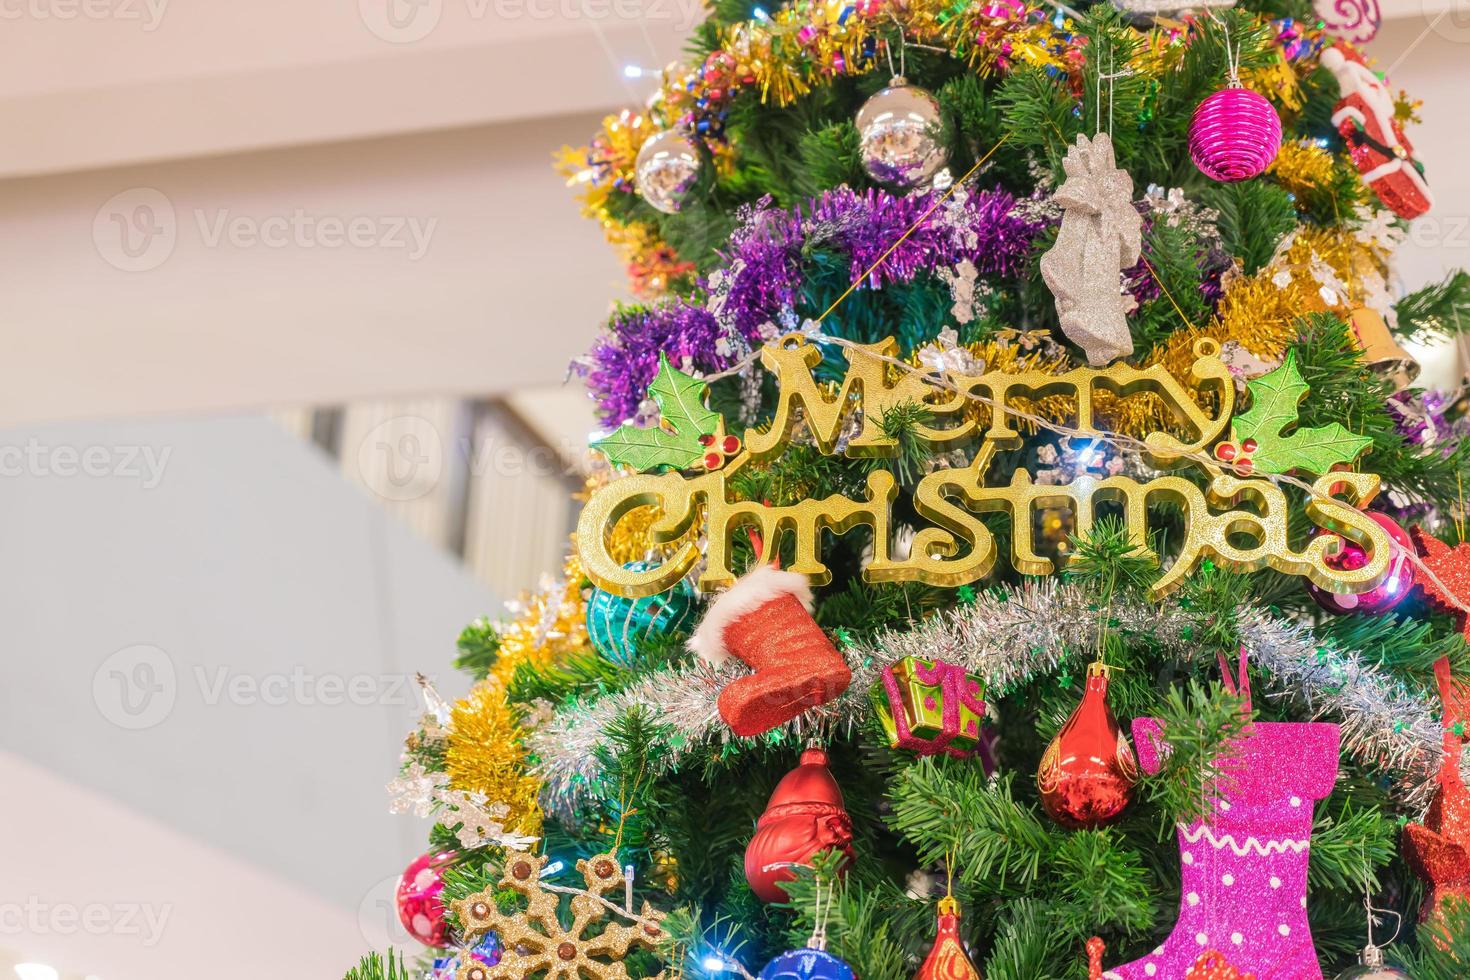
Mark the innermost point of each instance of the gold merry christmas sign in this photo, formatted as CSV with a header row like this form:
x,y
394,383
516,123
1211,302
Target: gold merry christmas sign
x,y
1241,523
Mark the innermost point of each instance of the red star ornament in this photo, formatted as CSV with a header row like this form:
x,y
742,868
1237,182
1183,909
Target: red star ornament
x,y
1451,566
1439,849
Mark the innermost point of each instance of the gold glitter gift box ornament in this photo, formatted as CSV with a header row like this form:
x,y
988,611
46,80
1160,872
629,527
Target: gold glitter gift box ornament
x,y
535,940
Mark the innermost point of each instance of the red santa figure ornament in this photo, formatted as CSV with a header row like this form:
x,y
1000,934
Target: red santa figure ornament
x,y
1365,118
805,815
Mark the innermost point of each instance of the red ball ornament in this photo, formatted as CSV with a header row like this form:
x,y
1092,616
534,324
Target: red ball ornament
x,y
420,907
805,815
1389,593
1088,772
1234,135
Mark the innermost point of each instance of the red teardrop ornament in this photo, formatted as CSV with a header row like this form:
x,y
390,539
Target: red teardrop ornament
x,y
947,959
1088,772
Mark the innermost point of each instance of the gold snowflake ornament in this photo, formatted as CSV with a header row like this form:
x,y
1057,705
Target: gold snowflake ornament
x,y
536,942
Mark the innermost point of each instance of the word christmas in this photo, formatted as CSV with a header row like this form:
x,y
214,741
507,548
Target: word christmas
x,y
1240,523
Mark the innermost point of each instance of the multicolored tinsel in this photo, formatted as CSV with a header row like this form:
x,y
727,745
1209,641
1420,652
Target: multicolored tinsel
x,y
1009,636
812,42
753,298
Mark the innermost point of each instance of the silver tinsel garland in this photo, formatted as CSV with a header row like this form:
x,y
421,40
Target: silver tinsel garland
x,y
1008,636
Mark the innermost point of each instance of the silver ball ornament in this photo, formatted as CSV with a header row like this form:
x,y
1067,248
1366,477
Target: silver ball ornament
x,y
898,136
672,169
1371,967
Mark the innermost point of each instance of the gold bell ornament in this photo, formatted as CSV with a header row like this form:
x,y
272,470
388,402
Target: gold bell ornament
x,y
1381,350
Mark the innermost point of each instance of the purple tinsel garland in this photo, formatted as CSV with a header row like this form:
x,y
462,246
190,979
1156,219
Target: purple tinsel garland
x,y
763,274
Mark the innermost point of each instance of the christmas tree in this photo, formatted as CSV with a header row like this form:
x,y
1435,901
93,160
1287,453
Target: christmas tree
x,y
1019,548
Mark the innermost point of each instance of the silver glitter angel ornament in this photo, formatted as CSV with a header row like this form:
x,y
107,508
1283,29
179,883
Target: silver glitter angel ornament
x,y
1101,235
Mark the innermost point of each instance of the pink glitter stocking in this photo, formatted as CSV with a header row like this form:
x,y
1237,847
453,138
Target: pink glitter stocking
x,y
1244,890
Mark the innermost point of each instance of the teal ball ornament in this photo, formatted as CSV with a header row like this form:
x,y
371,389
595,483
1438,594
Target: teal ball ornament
x,y
617,625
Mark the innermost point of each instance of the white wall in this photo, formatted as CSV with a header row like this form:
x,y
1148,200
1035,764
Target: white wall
x,y
221,648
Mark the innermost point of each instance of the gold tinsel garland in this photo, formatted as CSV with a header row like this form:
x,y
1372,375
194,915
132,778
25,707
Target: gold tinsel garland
x,y
1316,269
1302,166
484,749
484,754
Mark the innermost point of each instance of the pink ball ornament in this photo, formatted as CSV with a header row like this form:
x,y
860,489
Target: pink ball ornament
x,y
420,907
1389,593
1234,135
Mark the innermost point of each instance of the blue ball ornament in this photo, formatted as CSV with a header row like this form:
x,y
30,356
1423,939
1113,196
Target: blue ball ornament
x,y
617,625
807,964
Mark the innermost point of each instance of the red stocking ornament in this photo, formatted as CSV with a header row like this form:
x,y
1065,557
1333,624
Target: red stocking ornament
x,y
805,815
765,620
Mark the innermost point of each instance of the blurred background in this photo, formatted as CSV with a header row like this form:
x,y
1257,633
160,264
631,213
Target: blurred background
x,y
288,293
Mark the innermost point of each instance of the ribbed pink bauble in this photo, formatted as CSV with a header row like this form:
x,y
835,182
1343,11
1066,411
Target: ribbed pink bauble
x,y
1234,135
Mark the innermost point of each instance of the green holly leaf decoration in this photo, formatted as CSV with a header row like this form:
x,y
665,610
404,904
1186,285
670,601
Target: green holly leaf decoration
x,y
675,442
1272,417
